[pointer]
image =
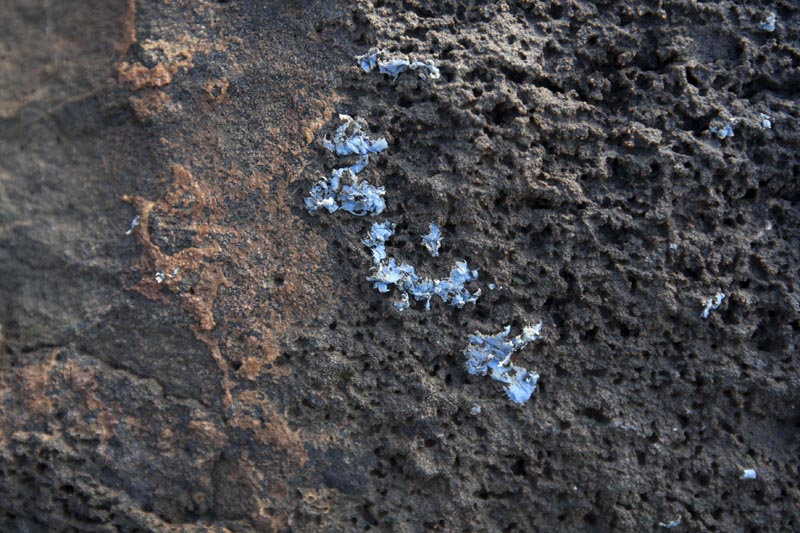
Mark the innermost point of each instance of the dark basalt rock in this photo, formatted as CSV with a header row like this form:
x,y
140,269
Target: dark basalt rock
x,y
261,384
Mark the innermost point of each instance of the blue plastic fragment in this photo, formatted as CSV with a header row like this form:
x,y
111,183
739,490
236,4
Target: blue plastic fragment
x,y
428,65
749,473
673,524
462,274
387,273
396,66
359,165
712,304
433,240
377,238
523,386
724,132
491,354
368,61
768,24
360,198
453,290
393,67
350,138
322,196
380,233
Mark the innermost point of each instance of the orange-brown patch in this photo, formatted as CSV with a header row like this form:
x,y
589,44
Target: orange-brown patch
x,y
274,263
93,418
141,77
269,427
128,28
176,56
152,103
200,301
33,381
207,432
216,90
222,364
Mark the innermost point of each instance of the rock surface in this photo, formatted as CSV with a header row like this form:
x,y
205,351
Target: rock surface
x,y
226,365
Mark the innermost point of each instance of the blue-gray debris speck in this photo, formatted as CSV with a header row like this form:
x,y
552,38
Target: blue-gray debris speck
x,y
388,273
712,304
491,354
134,223
671,525
433,240
395,66
402,304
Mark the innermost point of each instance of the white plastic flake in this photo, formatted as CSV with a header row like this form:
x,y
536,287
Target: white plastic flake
x,y
394,66
491,354
713,304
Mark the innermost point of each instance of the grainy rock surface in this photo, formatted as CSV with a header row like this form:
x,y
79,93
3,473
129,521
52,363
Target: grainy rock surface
x,y
261,384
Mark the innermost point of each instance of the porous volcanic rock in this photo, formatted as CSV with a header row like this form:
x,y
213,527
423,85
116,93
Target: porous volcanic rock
x,y
224,364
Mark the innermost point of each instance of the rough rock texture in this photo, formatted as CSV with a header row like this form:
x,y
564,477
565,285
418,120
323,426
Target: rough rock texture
x,y
263,385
